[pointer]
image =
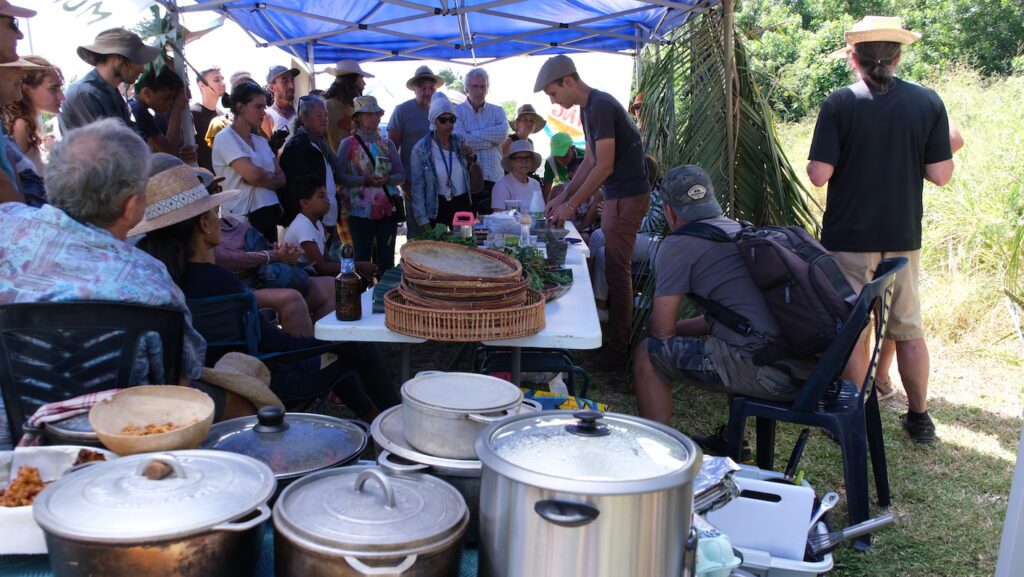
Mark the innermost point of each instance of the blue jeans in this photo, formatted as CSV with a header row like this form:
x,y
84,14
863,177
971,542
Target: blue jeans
x,y
365,231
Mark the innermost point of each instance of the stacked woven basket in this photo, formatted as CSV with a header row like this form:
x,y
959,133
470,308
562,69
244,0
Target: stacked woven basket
x,y
455,293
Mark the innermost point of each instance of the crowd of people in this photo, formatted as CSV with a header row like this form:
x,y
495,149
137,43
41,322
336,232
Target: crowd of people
x,y
278,183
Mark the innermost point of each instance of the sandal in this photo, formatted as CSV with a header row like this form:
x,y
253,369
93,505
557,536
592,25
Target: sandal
x,y
884,390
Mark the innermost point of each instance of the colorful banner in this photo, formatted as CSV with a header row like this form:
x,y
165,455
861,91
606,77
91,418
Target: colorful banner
x,y
566,120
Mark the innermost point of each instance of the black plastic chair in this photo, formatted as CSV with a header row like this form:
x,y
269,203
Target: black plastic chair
x,y
830,402
55,351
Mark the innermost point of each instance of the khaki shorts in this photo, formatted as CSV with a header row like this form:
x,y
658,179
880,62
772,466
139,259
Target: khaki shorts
x,y
905,323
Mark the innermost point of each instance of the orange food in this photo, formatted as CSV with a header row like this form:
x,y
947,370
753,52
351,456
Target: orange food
x,y
152,429
23,490
87,456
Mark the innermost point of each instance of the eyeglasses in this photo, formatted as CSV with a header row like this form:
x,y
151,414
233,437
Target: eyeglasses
x,y
446,119
12,23
521,158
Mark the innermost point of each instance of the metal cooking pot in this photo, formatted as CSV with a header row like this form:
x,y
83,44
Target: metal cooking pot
x,y
444,412
361,521
584,494
204,518
291,444
74,430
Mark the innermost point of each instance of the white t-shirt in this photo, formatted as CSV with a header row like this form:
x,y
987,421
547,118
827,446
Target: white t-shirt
x,y
228,147
281,119
508,188
331,218
302,230
458,180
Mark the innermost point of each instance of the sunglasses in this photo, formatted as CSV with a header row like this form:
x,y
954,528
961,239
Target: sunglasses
x,y
446,119
12,23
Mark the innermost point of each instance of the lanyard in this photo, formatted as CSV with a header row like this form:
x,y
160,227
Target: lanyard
x,y
449,164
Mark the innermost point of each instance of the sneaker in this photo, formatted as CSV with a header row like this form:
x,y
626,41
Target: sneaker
x,y
717,444
920,430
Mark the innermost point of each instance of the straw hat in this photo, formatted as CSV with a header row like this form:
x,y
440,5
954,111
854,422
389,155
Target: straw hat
x,y
517,147
367,104
840,53
22,64
346,67
119,41
528,110
425,72
175,195
8,9
880,29
245,376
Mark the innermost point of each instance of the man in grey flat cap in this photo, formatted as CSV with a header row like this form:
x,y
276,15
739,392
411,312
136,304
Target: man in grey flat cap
x,y
614,161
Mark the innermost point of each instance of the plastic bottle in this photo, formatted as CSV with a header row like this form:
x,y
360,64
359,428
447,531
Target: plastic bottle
x,y
348,288
537,206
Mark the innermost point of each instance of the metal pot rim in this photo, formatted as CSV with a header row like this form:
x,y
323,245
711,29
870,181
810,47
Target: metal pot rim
x,y
456,413
455,467
682,476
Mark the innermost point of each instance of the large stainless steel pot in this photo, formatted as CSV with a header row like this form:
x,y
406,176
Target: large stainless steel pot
x,y
444,412
358,521
205,518
584,495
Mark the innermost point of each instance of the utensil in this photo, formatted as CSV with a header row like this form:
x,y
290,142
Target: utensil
x,y
189,409
828,501
820,544
794,457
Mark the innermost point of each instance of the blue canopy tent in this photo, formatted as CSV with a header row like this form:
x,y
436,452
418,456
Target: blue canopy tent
x,y
468,31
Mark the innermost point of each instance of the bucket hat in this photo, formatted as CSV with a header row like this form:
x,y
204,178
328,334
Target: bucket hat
x,y
690,193
529,111
175,195
277,71
880,29
8,9
367,104
122,42
554,68
424,72
346,67
517,147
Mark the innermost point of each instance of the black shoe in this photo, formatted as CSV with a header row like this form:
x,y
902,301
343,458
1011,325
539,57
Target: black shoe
x,y
716,444
921,430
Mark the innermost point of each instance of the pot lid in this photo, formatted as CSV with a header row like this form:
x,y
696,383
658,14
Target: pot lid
x,y
77,426
292,444
388,431
593,450
363,510
115,501
463,392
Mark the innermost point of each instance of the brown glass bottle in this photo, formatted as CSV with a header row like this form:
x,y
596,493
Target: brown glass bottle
x,y
348,288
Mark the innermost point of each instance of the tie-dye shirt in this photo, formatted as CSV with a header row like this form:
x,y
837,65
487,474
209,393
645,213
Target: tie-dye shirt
x,y
354,164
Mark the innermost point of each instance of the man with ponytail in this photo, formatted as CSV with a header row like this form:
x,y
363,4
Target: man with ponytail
x,y
875,143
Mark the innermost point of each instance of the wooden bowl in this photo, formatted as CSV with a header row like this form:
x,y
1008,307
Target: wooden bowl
x,y
189,409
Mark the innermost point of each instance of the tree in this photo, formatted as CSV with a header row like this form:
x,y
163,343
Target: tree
x,y
452,79
510,109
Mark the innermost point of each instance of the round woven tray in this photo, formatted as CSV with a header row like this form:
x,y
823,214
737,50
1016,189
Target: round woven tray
x,y
412,296
410,319
465,292
428,260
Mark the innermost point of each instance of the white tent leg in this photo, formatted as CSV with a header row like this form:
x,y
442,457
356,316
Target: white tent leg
x,y
1011,550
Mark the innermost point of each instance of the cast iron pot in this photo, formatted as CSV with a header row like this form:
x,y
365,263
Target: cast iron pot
x,y
204,518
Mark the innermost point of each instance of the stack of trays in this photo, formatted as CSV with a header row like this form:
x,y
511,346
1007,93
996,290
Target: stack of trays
x,y
446,276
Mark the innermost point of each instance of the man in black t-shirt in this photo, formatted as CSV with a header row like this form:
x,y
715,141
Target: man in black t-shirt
x,y
211,89
875,143
614,160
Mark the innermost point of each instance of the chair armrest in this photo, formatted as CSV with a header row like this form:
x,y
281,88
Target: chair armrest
x,y
299,354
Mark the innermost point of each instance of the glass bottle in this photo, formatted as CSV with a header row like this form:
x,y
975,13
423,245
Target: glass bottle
x,y
348,288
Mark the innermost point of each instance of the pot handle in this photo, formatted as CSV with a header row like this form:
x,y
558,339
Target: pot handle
x,y
264,514
382,480
565,513
169,460
487,419
396,571
385,462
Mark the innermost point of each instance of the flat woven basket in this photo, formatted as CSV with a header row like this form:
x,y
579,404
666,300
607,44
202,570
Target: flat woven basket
x,y
404,317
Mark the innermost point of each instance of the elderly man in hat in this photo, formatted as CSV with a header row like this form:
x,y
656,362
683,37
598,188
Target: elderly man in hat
x,y
875,143
118,57
349,82
483,126
409,124
614,161
281,83
10,33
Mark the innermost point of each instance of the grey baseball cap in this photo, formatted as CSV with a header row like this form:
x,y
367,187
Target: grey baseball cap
x,y
279,70
688,190
555,68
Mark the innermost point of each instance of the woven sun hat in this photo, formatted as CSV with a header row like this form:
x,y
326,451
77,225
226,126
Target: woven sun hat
x,y
12,11
346,67
529,111
880,29
122,42
840,53
367,104
424,72
518,147
22,64
175,195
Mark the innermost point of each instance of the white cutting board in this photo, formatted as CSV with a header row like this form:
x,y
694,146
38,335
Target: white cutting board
x,y
770,517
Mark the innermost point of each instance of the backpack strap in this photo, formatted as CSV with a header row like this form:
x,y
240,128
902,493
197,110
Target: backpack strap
x,y
703,230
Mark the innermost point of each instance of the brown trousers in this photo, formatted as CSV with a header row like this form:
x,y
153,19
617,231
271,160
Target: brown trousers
x,y
620,220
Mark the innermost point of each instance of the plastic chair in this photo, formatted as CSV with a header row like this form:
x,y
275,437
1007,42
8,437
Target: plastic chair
x,y
55,351
494,359
830,402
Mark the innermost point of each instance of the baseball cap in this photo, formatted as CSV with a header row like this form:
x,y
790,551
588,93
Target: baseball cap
x,y
279,70
688,190
555,68
560,144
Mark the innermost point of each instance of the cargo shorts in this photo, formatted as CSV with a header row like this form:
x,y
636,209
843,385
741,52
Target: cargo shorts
x,y
905,322
685,360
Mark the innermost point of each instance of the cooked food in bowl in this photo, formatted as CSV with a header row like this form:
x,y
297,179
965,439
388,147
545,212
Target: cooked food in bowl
x,y
135,420
153,428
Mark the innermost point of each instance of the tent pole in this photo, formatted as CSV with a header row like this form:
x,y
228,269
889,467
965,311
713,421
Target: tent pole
x,y
311,60
188,130
730,128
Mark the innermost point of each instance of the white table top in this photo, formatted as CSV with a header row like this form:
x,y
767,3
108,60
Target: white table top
x,y
570,321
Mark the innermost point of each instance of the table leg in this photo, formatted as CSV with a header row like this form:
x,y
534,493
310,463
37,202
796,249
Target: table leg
x,y
516,366
405,362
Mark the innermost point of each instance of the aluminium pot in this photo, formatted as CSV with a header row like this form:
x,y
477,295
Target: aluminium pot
x,y
76,430
444,412
359,521
584,494
205,517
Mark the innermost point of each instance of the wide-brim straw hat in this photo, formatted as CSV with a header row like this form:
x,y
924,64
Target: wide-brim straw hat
x,y
8,9
245,376
424,72
517,147
346,67
840,53
122,42
880,29
176,195
22,64
366,104
529,111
